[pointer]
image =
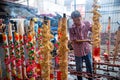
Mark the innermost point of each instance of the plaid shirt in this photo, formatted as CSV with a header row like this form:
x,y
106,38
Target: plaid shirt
x,y
80,33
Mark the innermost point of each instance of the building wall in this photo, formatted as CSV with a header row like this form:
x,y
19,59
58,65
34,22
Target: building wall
x,y
47,6
109,8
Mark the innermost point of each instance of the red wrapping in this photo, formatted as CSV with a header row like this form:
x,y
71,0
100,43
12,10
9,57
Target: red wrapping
x,y
96,53
59,75
51,76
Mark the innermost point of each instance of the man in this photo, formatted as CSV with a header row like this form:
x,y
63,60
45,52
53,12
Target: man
x,y
78,37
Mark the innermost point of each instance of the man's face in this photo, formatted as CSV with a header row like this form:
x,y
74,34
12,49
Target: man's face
x,y
77,21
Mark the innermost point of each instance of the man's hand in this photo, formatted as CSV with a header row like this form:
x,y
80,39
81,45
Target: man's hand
x,y
89,41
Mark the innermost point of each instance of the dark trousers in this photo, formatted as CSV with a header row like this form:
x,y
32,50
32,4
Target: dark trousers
x,y
88,63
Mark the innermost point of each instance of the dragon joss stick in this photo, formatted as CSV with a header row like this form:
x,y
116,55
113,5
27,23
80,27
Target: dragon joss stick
x,y
7,56
63,50
21,34
46,51
18,56
11,50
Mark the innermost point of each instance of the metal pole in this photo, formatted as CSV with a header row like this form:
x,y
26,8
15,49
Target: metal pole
x,y
74,4
28,3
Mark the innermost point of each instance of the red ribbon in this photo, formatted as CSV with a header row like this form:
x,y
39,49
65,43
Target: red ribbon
x,y
12,46
5,46
56,45
19,62
57,59
40,37
12,58
7,60
59,75
31,67
34,75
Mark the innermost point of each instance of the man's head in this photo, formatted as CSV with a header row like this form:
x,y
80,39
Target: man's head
x,y
76,16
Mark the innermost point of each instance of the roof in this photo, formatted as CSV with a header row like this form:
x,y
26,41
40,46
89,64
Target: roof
x,y
16,10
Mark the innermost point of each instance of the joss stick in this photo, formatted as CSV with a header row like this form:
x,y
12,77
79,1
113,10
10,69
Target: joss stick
x,y
108,40
7,56
63,49
117,46
31,53
32,25
11,50
31,60
46,50
21,34
39,51
51,68
109,36
96,29
18,56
